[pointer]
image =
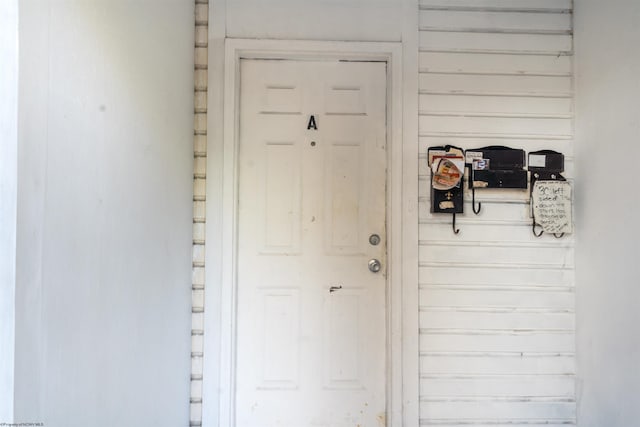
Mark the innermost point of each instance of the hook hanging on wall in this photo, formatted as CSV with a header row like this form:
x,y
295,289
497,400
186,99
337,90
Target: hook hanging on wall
x,y
473,202
533,228
455,230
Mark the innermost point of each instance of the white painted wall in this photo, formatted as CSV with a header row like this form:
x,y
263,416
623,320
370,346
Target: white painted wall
x,y
104,213
352,20
8,198
607,96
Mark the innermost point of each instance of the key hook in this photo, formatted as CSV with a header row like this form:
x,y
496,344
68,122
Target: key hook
x,y
473,202
533,228
455,230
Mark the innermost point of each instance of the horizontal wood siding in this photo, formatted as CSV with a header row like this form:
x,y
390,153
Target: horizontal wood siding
x,y
497,305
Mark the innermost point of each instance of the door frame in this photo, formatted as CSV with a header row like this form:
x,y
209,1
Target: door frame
x,y
402,230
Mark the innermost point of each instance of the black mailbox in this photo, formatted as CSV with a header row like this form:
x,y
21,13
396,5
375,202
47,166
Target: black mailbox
x,y
496,167
546,165
545,162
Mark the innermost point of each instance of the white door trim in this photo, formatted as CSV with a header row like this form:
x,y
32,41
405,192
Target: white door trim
x,y
402,295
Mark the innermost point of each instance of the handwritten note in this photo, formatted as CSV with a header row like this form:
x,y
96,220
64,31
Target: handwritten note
x,y
551,204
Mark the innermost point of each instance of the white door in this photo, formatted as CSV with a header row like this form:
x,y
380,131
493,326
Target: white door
x,y
311,316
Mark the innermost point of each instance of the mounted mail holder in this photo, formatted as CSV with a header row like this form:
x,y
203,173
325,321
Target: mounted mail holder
x,y
447,173
495,167
550,193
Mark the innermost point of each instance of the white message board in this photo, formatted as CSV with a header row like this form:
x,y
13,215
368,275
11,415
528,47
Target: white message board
x,y
551,206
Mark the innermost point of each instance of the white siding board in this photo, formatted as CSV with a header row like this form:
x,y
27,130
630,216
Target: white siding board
x,y
496,301
497,305
507,276
496,423
551,86
495,63
514,411
493,136
496,125
440,319
496,21
499,386
496,105
517,44
541,342
557,6
516,363
507,254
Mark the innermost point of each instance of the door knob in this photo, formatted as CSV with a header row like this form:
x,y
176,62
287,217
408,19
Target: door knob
x,y
374,265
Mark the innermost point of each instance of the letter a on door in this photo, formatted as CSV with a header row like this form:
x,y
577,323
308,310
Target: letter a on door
x,y
312,123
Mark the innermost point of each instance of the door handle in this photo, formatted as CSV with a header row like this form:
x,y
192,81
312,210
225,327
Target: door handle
x,y
374,265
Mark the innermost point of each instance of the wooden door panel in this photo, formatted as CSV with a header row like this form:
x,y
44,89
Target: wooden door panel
x,y
311,317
